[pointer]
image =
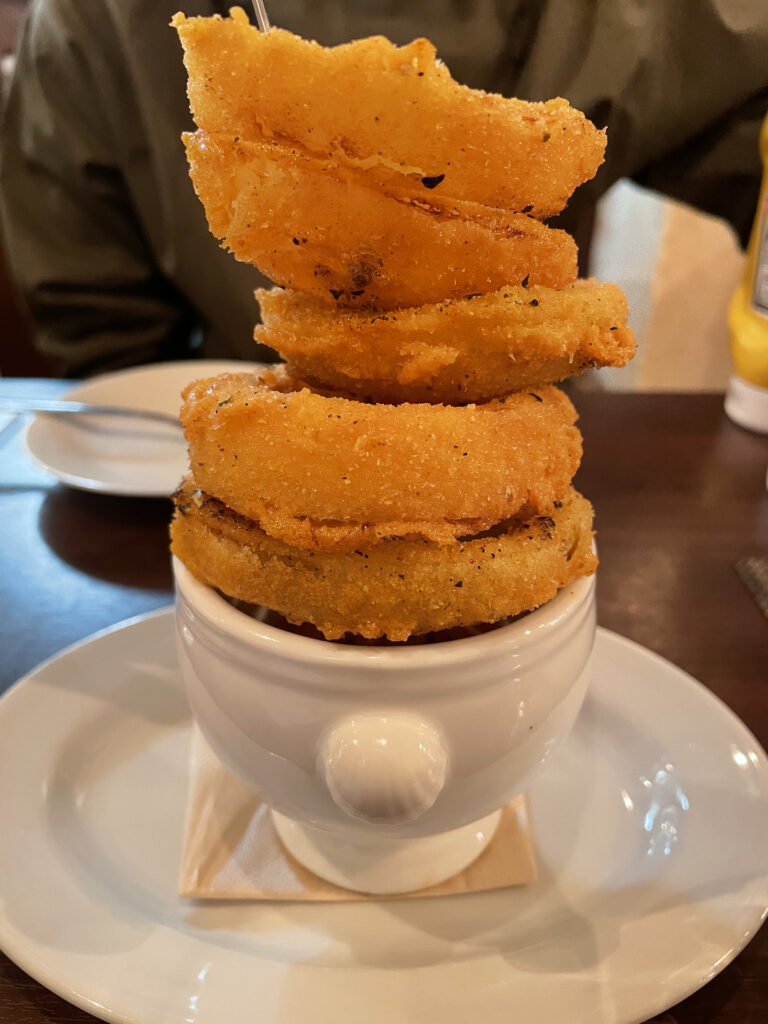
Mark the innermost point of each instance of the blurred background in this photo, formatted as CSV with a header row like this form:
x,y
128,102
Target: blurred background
x,y
677,266
20,358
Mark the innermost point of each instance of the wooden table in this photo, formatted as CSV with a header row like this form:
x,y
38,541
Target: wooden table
x,y
680,495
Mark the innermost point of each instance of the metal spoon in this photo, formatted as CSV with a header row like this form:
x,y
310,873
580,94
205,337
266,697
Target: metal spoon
x,y
57,407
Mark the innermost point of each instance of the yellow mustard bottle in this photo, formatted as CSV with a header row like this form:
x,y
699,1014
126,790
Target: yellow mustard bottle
x,y
746,401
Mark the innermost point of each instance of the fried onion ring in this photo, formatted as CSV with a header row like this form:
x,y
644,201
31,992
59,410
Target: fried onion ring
x,y
399,588
469,350
317,226
373,104
327,472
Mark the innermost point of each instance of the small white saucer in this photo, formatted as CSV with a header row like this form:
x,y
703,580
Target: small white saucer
x,y
650,825
120,456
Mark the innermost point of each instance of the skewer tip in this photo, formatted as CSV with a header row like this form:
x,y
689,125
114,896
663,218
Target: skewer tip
x,y
261,15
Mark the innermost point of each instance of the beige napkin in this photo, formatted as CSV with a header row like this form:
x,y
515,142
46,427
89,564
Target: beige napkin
x,y
231,850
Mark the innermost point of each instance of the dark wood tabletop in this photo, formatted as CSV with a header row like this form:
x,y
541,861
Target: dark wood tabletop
x,y
680,495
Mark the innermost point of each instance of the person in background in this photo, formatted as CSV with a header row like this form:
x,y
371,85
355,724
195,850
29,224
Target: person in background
x,y
109,244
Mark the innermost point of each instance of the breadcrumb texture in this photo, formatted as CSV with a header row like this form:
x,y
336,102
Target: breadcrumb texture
x,y
316,225
323,471
395,590
469,350
378,106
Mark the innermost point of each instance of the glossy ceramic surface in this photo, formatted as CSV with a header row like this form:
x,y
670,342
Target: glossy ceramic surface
x,y
651,826
394,742
370,863
114,456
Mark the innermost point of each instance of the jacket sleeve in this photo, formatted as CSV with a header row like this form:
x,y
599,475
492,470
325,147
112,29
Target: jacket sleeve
x,y
682,88
73,241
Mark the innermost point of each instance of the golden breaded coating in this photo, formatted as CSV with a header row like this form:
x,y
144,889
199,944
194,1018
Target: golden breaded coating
x,y
373,104
468,350
321,471
315,225
396,589
410,470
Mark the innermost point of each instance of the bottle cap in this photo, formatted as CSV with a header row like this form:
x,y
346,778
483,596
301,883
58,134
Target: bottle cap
x,y
747,404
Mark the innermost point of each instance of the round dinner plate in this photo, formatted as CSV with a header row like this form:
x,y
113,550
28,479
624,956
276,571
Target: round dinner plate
x,y
650,826
123,456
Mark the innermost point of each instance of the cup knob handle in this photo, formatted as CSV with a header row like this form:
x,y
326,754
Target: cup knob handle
x,y
386,768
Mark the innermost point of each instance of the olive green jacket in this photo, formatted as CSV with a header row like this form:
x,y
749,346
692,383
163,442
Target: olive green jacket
x,y
110,246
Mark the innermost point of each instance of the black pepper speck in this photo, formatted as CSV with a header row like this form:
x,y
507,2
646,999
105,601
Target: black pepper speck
x,y
432,181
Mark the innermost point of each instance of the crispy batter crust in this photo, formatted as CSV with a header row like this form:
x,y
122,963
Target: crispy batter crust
x,y
469,350
373,104
396,589
315,225
330,472
410,471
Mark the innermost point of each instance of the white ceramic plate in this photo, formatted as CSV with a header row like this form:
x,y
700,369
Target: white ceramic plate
x,y
121,456
650,823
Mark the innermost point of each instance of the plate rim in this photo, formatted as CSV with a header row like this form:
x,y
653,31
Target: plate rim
x,y
25,960
84,483
89,484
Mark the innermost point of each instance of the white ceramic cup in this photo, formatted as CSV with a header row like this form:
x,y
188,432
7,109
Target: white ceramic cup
x,y
385,766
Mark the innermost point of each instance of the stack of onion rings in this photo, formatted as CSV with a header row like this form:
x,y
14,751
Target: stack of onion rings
x,y
410,470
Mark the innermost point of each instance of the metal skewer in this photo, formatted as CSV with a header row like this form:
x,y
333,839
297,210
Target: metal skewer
x,y
261,15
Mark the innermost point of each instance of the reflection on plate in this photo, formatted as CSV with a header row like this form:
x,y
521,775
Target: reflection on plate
x,y
121,456
650,824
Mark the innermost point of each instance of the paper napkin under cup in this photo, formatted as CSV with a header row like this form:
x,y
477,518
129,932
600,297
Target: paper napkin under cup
x,y
231,849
